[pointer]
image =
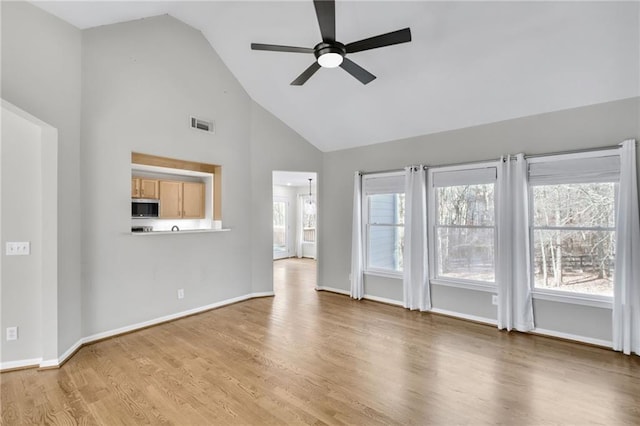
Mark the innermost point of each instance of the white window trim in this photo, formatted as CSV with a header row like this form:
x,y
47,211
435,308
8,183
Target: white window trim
x,y
384,273
432,234
466,284
594,300
562,296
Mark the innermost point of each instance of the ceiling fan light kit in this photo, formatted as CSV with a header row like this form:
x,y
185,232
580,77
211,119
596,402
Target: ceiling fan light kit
x,y
332,54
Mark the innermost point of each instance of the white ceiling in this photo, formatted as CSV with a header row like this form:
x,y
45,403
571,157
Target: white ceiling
x,y
469,63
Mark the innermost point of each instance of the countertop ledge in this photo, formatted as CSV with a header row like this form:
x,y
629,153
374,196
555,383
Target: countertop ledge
x,y
186,231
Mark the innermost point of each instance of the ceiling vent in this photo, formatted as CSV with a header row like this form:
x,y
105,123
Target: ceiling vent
x,y
200,124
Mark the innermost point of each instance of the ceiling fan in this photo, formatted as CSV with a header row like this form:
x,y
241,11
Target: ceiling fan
x,y
330,53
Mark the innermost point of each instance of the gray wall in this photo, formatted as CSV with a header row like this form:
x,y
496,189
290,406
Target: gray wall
x,y
21,217
591,126
41,75
274,146
141,82
138,83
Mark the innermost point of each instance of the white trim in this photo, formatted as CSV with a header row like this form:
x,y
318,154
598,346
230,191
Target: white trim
x,y
465,166
333,290
383,300
574,299
574,337
384,274
21,363
476,286
474,318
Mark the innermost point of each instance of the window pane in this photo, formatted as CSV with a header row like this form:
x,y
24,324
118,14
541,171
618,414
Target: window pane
x,y
578,261
386,244
466,205
466,253
279,225
579,204
386,208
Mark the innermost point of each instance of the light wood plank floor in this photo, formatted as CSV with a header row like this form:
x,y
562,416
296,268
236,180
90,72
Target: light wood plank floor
x,y
307,357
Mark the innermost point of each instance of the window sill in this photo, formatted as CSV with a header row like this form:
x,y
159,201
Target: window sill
x,y
488,288
384,274
575,299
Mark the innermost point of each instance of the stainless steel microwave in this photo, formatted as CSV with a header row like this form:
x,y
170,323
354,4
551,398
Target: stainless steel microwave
x,y
143,207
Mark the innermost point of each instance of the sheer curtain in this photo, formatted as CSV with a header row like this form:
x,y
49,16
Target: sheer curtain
x,y
626,284
515,306
416,271
357,252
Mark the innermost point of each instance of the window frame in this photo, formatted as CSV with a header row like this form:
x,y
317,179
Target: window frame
x,y
432,231
380,272
564,296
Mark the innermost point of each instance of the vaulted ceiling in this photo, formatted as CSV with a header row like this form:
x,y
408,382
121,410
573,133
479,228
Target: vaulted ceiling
x,y
468,63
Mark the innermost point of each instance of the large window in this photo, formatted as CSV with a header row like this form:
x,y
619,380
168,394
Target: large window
x,y
464,231
384,220
573,225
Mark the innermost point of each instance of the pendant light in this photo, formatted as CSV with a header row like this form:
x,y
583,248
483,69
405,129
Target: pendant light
x,y
310,206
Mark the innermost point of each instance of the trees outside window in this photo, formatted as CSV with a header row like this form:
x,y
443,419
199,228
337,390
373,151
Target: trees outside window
x,y
573,237
465,232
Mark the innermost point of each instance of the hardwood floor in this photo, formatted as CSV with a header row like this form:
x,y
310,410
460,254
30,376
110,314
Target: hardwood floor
x,y
307,357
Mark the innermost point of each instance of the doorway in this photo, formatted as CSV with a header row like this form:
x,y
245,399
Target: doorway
x,y
295,212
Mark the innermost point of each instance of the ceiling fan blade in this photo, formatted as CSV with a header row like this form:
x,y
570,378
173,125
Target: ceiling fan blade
x,y
388,39
326,13
357,71
277,48
306,74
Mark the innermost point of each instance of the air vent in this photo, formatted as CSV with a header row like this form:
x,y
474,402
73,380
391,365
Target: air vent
x,y
200,124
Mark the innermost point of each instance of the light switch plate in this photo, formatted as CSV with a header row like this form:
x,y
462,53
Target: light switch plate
x,y
22,248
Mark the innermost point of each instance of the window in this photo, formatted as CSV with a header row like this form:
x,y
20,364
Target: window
x,y
383,206
464,231
308,219
573,224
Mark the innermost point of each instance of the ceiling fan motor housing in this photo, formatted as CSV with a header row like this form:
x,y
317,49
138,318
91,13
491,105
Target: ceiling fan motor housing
x,y
333,47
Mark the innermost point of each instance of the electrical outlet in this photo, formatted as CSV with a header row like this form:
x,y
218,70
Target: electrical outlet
x,y
12,333
181,293
18,248
494,299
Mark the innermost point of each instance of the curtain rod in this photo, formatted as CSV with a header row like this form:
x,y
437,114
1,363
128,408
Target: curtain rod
x,y
468,163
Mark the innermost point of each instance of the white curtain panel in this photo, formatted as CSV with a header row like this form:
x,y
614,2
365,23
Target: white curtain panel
x,y
357,249
299,226
626,284
515,306
416,271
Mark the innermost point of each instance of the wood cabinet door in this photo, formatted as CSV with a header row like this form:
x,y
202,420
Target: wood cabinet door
x,y
149,188
170,199
135,188
193,200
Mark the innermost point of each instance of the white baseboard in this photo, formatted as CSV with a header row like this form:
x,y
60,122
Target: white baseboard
x,y
54,363
474,318
333,290
574,337
383,300
22,363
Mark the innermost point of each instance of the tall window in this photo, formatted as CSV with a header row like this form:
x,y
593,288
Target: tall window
x,y
308,219
573,224
464,230
384,220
